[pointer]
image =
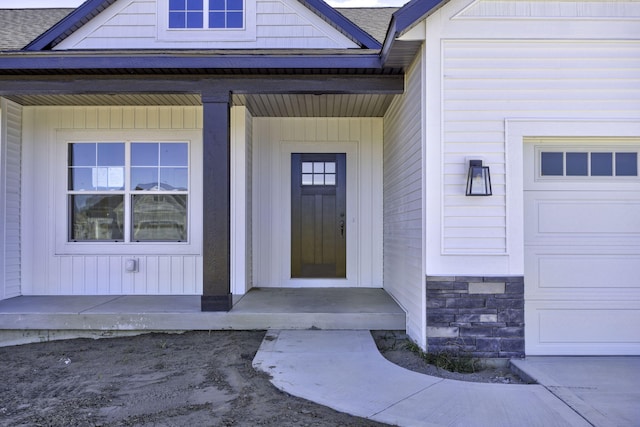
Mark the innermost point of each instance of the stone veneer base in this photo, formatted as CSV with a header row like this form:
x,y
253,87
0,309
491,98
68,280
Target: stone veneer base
x,y
480,317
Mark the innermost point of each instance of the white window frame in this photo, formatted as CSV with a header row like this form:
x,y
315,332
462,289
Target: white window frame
x,y
248,33
193,245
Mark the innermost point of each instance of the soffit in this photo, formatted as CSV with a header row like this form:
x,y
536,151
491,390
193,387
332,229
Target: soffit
x,y
272,105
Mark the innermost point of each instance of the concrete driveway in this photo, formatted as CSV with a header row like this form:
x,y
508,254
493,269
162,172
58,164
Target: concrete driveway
x,y
603,390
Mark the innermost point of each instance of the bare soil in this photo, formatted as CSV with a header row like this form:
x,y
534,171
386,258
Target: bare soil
x,y
190,379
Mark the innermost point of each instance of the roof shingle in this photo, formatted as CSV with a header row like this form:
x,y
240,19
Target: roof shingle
x,y
20,26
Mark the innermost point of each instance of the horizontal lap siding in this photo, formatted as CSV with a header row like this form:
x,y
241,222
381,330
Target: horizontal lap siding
x,y
11,128
279,24
486,82
50,274
403,203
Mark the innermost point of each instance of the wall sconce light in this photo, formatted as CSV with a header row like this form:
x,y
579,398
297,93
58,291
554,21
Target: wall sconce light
x,y
478,179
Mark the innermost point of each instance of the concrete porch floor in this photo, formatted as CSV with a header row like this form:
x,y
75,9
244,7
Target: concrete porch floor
x,y
41,318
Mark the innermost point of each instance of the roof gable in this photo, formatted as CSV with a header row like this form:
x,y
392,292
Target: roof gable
x,y
126,24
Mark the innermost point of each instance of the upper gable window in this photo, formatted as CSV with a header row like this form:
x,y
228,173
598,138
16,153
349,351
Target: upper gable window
x,y
206,14
207,20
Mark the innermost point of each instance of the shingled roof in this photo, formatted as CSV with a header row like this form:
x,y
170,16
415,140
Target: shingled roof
x,y
373,20
21,26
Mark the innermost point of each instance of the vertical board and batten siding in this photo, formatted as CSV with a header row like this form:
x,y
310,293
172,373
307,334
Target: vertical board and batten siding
x,y
10,171
404,276
46,273
273,137
133,24
486,82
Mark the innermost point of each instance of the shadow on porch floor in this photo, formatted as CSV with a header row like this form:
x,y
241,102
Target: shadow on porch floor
x,y
41,318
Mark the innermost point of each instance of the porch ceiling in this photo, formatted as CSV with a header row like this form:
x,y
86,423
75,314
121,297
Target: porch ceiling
x,y
260,105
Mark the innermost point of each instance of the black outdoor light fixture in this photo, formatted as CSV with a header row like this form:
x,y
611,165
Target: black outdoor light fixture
x,y
478,179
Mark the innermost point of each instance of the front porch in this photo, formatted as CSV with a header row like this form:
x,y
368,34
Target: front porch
x,y
42,318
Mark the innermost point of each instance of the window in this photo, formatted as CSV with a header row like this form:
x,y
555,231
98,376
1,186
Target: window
x,y
199,14
588,164
318,173
128,191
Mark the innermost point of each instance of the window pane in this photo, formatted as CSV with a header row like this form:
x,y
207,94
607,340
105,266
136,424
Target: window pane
x,y
307,167
82,154
601,164
96,217
144,154
177,4
626,164
234,5
330,167
159,217
216,20
144,178
577,164
177,20
81,179
174,154
330,179
318,179
234,20
318,167
174,179
217,5
551,164
194,5
195,20
106,179
110,154
307,179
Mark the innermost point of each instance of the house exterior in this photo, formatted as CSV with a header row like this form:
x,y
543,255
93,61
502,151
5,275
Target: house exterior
x,y
157,147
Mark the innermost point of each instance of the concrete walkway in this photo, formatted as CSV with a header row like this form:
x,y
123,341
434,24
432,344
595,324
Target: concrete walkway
x,y
345,371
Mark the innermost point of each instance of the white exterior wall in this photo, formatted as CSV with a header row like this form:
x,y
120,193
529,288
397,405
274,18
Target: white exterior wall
x,y
134,24
404,276
274,140
10,185
46,271
241,201
539,70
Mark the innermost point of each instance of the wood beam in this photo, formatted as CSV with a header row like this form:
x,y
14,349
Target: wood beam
x,y
216,248
281,84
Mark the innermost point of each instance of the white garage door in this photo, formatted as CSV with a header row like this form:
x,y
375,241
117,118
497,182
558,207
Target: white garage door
x,y
582,247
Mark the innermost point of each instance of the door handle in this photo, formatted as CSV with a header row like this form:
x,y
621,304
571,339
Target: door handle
x,y
341,227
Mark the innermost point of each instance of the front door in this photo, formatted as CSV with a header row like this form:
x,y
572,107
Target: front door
x,y
318,215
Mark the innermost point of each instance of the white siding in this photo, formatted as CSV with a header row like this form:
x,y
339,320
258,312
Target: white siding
x,y
48,273
486,82
361,139
553,8
404,276
10,145
132,24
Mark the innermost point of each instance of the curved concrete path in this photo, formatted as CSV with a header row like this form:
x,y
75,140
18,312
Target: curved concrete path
x,y
345,371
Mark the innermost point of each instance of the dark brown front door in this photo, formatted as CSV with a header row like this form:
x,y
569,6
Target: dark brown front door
x,y
318,215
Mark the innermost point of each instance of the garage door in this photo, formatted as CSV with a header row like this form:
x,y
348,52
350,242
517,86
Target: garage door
x,y
582,247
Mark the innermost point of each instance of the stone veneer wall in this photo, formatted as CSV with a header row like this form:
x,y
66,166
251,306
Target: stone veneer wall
x,y
476,316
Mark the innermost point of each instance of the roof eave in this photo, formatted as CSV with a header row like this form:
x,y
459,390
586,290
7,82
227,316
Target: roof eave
x,y
197,60
404,19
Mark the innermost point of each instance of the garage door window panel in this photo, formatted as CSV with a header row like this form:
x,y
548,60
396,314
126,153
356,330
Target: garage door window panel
x,y
593,164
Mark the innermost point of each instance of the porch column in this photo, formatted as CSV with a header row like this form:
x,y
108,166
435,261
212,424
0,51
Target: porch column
x,y
216,250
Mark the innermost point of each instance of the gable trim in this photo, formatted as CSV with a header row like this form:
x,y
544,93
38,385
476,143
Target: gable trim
x,y
343,24
76,19
91,8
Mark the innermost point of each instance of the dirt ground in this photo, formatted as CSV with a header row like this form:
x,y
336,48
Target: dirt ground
x,y
190,379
